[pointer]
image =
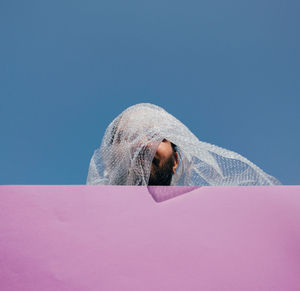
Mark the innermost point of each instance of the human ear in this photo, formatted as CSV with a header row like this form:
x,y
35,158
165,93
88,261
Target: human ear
x,y
176,162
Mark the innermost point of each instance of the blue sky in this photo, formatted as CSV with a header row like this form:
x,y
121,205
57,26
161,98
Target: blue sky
x,y
229,70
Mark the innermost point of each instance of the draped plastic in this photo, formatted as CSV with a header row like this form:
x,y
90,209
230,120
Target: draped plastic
x,y
130,142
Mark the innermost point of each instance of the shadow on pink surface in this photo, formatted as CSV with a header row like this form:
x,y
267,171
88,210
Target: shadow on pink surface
x,y
120,238
163,193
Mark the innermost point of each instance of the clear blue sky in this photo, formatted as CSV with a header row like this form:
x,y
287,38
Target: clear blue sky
x,y
229,70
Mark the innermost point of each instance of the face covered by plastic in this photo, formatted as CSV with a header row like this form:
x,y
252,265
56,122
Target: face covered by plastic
x,y
164,164
137,150
143,156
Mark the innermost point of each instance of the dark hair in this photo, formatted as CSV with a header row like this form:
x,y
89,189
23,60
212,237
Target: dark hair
x,y
174,147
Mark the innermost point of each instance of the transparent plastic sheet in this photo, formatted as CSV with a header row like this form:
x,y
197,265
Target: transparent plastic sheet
x,y
130,143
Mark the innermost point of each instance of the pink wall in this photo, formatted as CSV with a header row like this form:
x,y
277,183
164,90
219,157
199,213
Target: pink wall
x,y
119,238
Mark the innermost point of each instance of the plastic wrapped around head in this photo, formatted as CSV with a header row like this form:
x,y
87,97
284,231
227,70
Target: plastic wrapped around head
x,y
130,143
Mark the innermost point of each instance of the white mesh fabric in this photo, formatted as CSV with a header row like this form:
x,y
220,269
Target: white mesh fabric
x,y
130,142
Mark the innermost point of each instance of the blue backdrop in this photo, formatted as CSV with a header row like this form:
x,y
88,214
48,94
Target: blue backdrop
x,y
229,70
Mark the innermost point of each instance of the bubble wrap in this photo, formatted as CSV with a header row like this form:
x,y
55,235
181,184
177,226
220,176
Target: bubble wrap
x,y
130,142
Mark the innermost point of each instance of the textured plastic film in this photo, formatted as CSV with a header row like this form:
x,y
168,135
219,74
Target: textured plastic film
x,y
119,238
130,142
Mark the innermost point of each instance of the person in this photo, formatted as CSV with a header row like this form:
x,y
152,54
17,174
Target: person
x,y
164,164
145,145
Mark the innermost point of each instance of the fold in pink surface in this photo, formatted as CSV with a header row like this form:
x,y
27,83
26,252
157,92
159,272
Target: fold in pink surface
x,y
121,238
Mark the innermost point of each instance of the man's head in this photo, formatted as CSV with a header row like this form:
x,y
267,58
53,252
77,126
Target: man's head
x,y
164,164
165,161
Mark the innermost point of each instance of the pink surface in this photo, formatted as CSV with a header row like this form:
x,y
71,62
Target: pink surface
x,y
120,238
